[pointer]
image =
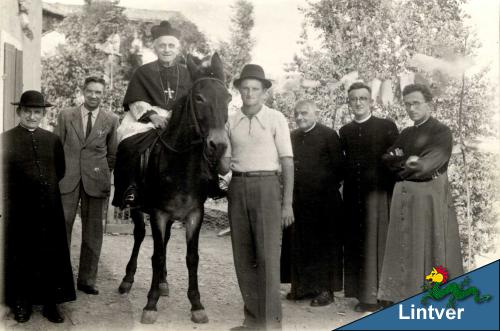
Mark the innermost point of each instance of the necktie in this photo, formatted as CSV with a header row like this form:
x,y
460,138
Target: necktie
x,y
89,124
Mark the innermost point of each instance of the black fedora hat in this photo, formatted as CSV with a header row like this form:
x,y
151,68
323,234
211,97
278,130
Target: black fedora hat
x,y
253,71
33,99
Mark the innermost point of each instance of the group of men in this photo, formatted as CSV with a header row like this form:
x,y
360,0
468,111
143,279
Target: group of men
x,y
351,238
393,221
47,177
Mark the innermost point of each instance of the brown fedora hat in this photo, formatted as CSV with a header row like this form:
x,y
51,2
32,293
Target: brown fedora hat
x,y
252,71
33,99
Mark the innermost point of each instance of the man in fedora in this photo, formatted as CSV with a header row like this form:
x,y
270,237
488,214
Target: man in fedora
x,y
88,135
36,255
259,153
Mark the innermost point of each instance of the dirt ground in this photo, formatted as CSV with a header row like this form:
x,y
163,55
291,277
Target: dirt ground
x,y
218,287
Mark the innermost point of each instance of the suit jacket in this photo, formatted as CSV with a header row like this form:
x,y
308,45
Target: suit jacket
x,y
91,159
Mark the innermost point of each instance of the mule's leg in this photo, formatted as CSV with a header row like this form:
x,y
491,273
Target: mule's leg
x,y
139,234
159,221
193,226
164,291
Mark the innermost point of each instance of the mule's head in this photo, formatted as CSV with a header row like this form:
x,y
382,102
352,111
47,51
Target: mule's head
x,y
210,99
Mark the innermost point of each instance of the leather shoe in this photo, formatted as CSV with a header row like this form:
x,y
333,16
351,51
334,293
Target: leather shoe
x,y
51,313
366,307
87,289
323,299
293,296
384,304
22,313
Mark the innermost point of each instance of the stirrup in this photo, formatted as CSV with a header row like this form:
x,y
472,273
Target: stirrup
x,y
131,197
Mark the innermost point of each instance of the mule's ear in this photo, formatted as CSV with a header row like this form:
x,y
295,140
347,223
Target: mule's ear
x,y
217,67
193,68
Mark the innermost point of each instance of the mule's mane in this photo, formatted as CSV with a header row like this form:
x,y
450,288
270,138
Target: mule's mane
x,y
180,133
181,136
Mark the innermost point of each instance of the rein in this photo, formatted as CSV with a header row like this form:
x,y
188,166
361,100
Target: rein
x,y
189,106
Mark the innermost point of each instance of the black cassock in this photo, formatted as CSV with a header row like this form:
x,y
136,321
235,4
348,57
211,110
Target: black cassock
x,y
367,194
316,252
37,261
159,86
423,231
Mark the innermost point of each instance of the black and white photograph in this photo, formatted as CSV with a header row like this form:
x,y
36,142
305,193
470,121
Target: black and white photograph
x,y
242,164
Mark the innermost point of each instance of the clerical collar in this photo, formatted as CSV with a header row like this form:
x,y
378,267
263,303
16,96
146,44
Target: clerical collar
x,y
364,120
420,124
30,130
161,65
312,127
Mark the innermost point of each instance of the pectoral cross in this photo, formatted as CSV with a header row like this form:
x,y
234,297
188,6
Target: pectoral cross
x,y
169,92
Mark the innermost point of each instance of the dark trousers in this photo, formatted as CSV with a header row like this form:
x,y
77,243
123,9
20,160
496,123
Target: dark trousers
x,y
255,219
92,230
127,170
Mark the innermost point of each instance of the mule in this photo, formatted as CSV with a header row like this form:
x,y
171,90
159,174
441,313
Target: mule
x,y
180,175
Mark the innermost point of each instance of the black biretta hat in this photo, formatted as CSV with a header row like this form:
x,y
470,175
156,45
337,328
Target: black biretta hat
x,y
164,29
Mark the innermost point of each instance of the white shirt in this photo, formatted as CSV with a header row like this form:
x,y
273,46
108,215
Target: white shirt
x,y
257,143
85,113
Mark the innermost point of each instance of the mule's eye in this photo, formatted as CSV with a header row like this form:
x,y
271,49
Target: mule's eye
x,y
199,98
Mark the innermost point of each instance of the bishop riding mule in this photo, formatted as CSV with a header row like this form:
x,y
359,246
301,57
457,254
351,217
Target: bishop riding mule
x,y
180,174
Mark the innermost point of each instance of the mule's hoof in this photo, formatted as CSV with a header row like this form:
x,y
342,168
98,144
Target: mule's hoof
x,y
199,316
164,291
125,287
149,316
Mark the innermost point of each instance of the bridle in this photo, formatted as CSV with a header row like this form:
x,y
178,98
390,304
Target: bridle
x,y
189,106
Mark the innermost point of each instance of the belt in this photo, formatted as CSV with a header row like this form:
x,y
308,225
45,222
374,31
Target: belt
x,y
428,179
255,173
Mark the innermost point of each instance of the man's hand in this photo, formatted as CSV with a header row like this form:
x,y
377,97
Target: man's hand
x,y
287,218
412,161
397,152
159,122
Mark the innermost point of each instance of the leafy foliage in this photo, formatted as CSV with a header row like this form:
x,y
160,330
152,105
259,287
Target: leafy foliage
x,y
84,54
236,53
378,38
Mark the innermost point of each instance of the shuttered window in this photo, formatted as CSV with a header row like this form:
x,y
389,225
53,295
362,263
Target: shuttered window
x,y
12,85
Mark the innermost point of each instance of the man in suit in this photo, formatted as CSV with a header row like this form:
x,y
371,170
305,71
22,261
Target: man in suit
x,y
88,135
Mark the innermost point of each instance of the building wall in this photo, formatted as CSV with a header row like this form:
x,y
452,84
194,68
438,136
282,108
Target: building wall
x,y
11,32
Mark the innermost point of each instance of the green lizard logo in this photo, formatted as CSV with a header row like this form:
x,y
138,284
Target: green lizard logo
x,y
437,291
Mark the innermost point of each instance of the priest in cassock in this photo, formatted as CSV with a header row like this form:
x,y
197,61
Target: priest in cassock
x,y
152,92
316,250
423,231
367,194
37,262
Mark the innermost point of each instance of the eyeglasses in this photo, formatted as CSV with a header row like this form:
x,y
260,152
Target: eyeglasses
x,y
360,99
415,104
